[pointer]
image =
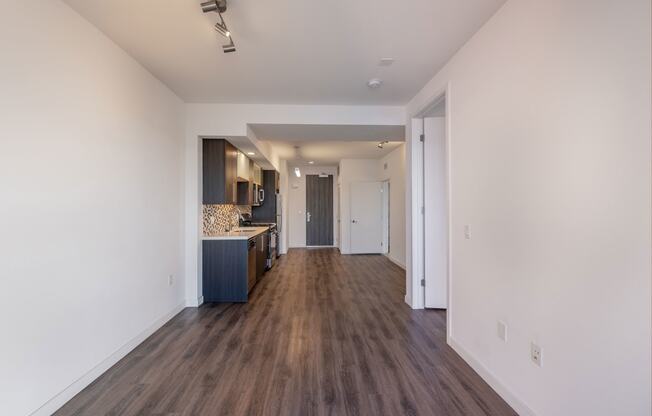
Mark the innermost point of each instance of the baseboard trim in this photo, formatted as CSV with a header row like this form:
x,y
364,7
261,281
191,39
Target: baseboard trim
x,y
393,260
56,402
519,406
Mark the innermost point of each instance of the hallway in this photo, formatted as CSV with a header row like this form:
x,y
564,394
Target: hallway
x,y
324,334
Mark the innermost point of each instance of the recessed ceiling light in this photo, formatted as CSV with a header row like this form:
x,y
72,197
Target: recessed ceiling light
x,y
374,83
382,144
250,153
297,172
312,162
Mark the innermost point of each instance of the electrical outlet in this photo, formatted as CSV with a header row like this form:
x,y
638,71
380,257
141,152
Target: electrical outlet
x,y
536,354
502,331
170,280
467,232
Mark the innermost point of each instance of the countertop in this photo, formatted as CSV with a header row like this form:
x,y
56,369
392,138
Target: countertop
x,y
242,233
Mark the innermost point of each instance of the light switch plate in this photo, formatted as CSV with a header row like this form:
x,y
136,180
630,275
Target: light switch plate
x,y
467,231
502,331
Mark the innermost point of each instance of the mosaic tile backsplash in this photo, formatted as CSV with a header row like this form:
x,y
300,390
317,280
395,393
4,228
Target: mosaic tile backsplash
x,y
219,218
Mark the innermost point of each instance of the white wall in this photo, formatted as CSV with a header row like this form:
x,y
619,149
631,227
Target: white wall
x,y
297,203
550,134
395,173
352,170
90,173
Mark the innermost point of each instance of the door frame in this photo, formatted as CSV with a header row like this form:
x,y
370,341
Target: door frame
x,y
415,293
387,215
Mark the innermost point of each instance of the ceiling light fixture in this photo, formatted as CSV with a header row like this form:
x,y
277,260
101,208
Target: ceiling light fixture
x,y
251,153
219,7
312,162
374,83
297,172
382,144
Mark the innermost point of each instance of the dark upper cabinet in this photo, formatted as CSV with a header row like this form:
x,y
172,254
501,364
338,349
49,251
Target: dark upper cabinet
x,y
219,169
245,193
266,212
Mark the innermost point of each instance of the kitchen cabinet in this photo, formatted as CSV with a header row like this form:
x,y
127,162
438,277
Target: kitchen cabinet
x,y
243,168
245,193
228,270
219,172
252,171
267,211
231,267
258,175
276,177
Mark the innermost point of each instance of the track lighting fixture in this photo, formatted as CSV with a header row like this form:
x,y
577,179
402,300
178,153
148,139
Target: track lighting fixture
x,y
382,144
219,7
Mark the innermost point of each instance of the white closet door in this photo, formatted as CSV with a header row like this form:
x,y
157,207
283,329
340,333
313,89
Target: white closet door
x,y
366,217
435,213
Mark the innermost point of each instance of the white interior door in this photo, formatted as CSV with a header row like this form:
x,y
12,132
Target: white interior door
x,y
435,213
366,217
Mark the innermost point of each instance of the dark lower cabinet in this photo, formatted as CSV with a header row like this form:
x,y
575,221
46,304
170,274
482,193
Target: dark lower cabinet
x,y
229,269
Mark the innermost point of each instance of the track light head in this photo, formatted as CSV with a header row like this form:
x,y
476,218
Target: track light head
x,y
222,30
218,6
228,48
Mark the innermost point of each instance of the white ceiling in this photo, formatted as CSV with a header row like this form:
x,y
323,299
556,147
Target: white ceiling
x,y
329,153
292,51
329,132
326,145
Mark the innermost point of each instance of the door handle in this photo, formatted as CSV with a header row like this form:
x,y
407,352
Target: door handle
x,y
308,217
354,221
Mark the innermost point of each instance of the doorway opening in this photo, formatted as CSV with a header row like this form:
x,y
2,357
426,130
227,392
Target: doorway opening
x,y
431,271
386,213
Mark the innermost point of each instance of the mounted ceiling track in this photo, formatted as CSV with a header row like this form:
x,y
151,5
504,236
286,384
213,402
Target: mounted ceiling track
x,y
219,7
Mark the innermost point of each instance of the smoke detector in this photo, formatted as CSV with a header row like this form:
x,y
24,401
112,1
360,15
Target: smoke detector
x,y
374,83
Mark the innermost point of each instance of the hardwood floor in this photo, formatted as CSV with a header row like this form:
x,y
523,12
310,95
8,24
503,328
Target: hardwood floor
x,y
323,334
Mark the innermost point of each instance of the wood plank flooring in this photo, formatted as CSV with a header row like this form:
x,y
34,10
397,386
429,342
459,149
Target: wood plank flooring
x,y
323,334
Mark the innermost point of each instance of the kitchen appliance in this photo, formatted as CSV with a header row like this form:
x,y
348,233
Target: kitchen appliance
x,y
273,253
257,194
251,263
272,237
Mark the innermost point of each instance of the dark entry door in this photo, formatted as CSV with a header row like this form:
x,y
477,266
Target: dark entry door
x,y
319,210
